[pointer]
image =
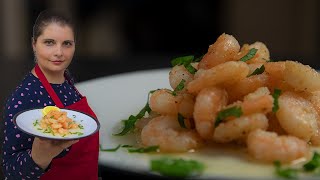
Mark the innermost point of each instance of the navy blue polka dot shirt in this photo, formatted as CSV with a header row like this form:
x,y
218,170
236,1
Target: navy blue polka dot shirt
x,y
17,162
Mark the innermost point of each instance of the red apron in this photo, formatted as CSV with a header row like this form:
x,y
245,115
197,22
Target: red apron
x,y
81,162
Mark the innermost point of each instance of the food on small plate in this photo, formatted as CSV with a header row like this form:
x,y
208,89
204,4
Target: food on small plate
x,y
57,123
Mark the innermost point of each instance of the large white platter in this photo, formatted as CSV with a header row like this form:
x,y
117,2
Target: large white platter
x,y
114,98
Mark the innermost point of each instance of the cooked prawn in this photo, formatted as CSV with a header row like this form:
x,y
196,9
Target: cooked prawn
x,y
208,102
224,49
239,128
245,86
269,147
223,74
164,102
297,116
177,74
259,101
165,132
261,56
301,77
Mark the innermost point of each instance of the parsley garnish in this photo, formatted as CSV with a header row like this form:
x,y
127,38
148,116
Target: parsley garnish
x,y
275,96
182,60
179,87
177,167
80,126
144,150
198,59
186,62
232,111
111,149
249,55
257,71
35,123
181,121
313,164
285,172
129,123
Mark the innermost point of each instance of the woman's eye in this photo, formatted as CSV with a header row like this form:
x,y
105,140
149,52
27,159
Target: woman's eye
x,y
49,42
68,44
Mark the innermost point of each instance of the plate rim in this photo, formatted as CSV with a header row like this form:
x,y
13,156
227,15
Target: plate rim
x,y
56,138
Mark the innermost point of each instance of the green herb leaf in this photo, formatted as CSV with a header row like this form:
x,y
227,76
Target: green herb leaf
x,y
181,121
143,111
126,146
179,87
275,96
198,59
144,150
232,111
257,71
190,68
182,60
35,123
129,123
177,167
249,55
80,126
110,149
80,133
288,173
313,164
186,62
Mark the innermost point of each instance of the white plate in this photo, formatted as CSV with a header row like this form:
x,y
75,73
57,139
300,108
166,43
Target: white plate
x,y
25,122
116,97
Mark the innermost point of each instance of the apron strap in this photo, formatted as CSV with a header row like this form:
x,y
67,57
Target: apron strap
x,y
67,76
48,87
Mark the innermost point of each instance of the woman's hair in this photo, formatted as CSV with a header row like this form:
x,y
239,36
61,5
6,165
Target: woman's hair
x,y
49,16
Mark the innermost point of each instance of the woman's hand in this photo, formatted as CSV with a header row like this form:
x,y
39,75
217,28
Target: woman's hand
x,y
44,150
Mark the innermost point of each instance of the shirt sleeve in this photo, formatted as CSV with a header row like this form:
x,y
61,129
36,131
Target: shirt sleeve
x,y
17,162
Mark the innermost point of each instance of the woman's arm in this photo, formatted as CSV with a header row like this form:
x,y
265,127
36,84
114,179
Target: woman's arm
x,y
17,162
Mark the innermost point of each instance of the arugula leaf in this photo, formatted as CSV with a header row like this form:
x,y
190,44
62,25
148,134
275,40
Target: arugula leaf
x,y
288,173
177,167
179,87
275,96
257,71
249,55
181,121
144,150
129,123
313,164
232,111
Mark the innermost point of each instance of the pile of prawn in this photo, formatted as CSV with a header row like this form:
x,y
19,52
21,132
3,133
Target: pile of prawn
x,y
223,81
57,123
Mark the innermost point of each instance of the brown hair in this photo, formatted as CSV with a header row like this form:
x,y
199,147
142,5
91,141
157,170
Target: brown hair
x,y
49,16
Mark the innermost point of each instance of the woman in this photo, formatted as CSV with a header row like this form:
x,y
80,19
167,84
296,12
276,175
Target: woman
x,y
28,157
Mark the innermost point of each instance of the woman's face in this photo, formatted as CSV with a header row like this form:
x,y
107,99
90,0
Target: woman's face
x,y
54,48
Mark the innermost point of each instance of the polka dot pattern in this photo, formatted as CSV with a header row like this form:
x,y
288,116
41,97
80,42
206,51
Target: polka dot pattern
x,y
17,161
